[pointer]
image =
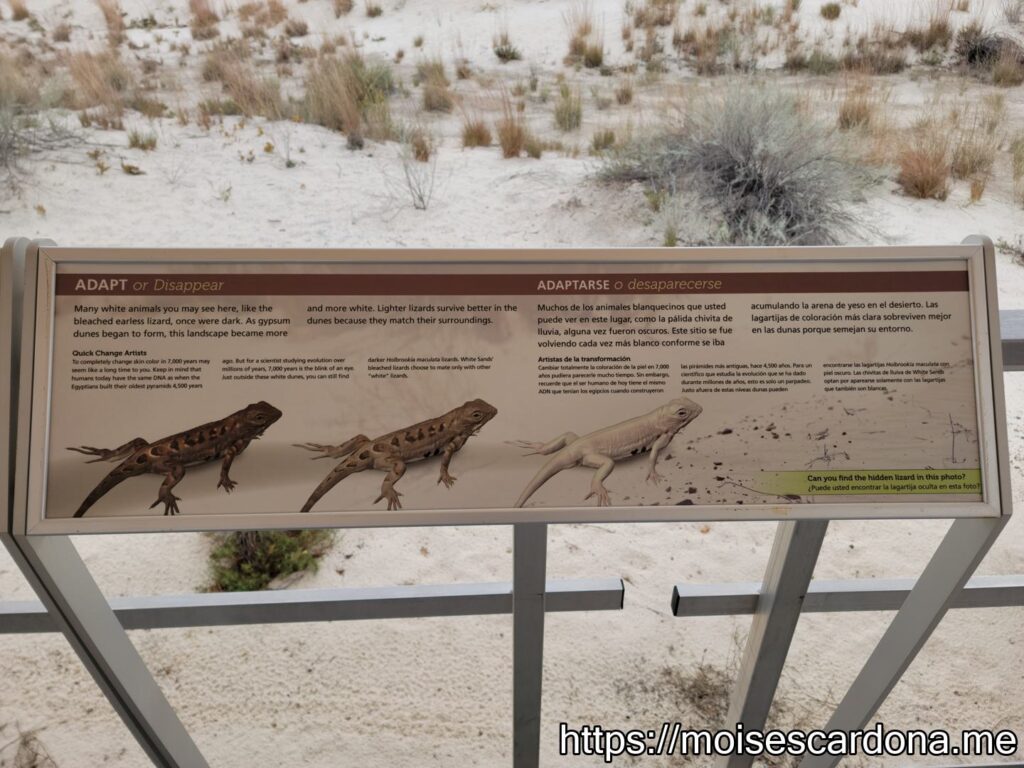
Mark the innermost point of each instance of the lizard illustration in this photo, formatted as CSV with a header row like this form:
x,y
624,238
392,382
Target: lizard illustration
x,y
169,456
442,436
599,450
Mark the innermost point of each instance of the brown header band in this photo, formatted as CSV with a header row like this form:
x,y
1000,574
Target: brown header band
x,y
406,284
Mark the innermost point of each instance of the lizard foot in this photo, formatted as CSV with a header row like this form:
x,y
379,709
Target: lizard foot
x,y
654,477
447,479
601,493
392,496
533,448
227,483
170,502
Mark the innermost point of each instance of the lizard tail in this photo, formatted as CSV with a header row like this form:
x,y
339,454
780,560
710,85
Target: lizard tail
x,y
116,476
335,476
549,470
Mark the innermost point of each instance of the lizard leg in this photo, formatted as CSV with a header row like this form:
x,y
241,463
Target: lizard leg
x,y
170,501
604,466
226,482
652,464
111,454
396,468
335,451
545,448
449,451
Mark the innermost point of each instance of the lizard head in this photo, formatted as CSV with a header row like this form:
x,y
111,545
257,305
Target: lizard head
x,y
261,415
681,411
475,413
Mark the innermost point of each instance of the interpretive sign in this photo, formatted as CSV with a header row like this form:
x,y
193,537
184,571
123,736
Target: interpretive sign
x,y
178,390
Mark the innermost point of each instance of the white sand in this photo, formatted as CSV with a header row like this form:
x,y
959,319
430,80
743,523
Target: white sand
x,y
438,692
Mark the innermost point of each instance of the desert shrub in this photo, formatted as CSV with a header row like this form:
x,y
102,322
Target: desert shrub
x,y
373,10
350,94
504,48
831,11
247,561
62,32
511,129
987,53
534,147
766,171
24,133
475,133
568,109
924,162
342,7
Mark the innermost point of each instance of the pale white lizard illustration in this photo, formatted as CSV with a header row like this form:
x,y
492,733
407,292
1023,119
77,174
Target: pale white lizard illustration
x,y
599,450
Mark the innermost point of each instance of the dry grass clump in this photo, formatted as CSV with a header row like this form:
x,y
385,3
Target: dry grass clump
x,y
113,17
655,13
859,107
350,94
431,75
373,10
144,140
255,95
17,91
475,132
568,108
296,28
1008,70
976,141
511,129
924,161
256,17
1017,161
342,7
204,20
764,171
936,31
61,33
602,140
19,10
101,80
585,45
624,92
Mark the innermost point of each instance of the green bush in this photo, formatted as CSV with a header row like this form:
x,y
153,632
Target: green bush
x,y
246,561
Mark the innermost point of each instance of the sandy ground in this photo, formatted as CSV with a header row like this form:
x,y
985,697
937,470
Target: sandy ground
x,y
438,692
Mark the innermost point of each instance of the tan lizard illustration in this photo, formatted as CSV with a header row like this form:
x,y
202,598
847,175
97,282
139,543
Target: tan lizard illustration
x,y
599,450
169,456
442,436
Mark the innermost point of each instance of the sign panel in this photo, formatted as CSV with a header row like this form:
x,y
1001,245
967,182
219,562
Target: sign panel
x,y
178,390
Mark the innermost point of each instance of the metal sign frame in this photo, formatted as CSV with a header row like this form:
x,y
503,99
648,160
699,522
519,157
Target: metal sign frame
x,y
33,419
78,609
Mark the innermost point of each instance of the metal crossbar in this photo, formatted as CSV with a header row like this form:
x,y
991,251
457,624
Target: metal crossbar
x,y
314,605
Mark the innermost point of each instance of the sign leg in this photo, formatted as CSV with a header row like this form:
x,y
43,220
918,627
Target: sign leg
x,y
790,567
73,599
530,542
959,554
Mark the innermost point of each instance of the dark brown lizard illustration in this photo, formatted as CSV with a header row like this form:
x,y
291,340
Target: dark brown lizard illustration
x,y
442,436
169,456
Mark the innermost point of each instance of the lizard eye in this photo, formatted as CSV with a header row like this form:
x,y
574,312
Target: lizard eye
x,y
477,415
